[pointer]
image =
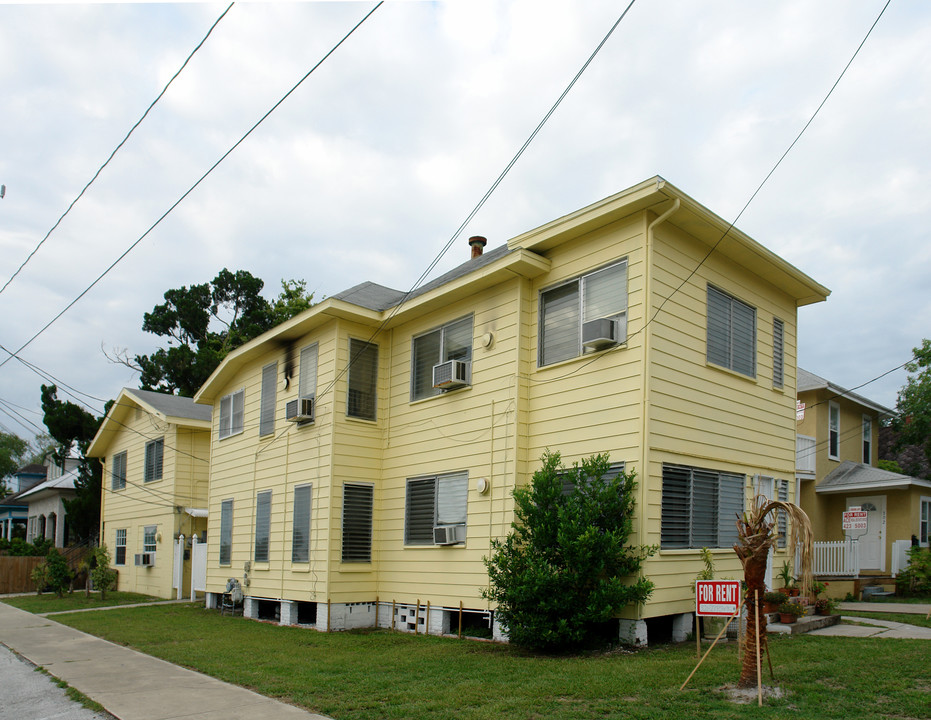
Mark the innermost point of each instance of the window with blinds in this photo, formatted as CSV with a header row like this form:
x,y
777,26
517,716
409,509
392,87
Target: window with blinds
x,y
118,471
867,440
833,431
568,485
226,532
269,395
363,378
232,408
263,522
700,507
307,382
357,523
565,308
154,454
450,342
434,501
731,333
779,358
782,523
300,527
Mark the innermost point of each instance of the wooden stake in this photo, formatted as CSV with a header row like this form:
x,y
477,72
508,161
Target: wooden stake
x,y
392,613
328,614
376,611
759,660
460,619
426,624
697,637
417,616
723,630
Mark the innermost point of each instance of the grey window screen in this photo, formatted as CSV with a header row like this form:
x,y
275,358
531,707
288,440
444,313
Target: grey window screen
x,y
778,353
118,471
154,453
450,342
363,377
307,383
263,521
269,392
563,310
226,532
451,498
700,507
357,523
300,530
731,333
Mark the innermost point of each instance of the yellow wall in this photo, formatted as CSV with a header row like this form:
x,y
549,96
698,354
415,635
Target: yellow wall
x,y
158,502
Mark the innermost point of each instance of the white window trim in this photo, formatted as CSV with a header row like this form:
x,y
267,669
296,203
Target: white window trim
x,y
867,425
154,535
229,428
117,545
833,406
924,500
579,281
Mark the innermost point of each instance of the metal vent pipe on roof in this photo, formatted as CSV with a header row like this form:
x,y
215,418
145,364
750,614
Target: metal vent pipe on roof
x,y
477,243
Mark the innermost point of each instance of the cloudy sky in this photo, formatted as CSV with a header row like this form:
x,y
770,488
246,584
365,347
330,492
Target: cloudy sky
x,y
368,168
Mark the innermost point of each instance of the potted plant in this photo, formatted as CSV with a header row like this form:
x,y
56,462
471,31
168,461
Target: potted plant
x,y
789,612
788,582
825,606
772,601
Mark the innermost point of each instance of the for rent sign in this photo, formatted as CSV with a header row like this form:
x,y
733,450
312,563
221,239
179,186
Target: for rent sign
x,y
719,598
855,519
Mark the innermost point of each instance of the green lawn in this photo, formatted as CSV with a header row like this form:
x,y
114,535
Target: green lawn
x,y
381,674
50,602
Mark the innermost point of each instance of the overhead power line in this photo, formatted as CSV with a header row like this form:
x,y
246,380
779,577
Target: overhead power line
x,y
115,150
189,190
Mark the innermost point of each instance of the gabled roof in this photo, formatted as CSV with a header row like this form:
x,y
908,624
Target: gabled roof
x,y
808,382
61,484
856,477
166,408
32,469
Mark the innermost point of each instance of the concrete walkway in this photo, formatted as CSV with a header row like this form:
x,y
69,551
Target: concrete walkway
x,y
129,684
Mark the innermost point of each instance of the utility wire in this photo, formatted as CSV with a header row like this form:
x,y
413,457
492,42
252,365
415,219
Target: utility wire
x,y
122,142
397,308
190,189
739,215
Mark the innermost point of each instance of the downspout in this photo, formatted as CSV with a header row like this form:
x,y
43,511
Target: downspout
x,y
646,376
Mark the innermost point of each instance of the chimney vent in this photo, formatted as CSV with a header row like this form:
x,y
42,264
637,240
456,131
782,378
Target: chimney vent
x,y
477,243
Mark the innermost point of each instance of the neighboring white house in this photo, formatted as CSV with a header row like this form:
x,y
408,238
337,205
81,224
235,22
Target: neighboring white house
x,y
47,516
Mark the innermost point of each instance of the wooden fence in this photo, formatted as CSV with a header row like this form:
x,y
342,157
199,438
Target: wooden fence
x,y
16,572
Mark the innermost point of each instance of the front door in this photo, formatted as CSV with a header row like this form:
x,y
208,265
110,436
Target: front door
x,y
872,547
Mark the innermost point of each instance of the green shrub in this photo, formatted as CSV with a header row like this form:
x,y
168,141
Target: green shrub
x,y
18,547
58,574
564,568
916,578
102,574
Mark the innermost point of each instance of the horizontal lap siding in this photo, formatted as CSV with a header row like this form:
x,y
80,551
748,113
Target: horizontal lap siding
x,y
246,464
469,430
705,416
591,404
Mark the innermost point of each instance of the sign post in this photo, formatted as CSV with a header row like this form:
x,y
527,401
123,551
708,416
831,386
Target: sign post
x,y
714,598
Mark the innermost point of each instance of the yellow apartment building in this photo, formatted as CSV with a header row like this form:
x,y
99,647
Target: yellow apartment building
x,y
155,451
364,452
837,446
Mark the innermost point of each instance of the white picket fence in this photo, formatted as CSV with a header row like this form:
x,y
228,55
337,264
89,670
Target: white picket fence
x,y
838,559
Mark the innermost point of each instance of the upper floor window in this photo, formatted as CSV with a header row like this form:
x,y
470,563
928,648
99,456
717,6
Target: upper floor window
x,y
269,396
363,377
154,452
118,471
231,413
833,431
450,342
731,333
778,353
307,382
567,308
867,440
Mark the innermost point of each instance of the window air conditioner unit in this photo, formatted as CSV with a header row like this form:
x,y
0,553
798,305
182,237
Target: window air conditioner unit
x,y
448,534
451,374
599,334
300,410
145,559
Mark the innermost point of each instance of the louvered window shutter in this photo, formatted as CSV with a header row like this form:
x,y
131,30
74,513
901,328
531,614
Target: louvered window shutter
x,y
263,517
269,392
420,509
226,532
357,523
300,530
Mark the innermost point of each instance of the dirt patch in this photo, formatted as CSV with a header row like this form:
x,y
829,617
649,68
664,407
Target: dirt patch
x,y
745,696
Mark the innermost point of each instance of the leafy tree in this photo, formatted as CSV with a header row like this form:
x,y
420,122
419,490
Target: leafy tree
x,y
203,323
13,453
73,427
913,422
565,567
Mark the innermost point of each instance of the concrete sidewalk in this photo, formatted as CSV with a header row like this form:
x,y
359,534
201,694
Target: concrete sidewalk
x,y
870,627
885,607
129,684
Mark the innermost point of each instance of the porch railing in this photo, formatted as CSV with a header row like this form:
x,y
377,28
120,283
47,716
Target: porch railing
x,y
900,555
839,558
